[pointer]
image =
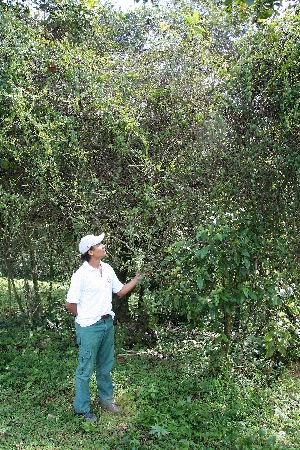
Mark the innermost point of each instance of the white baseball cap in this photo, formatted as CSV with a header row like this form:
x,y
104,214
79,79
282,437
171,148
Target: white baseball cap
x,y
88,241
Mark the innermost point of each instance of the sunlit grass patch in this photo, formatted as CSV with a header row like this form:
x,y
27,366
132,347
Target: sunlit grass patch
x,y
52,296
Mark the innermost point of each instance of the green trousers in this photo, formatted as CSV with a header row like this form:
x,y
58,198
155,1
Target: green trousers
x,y
96,347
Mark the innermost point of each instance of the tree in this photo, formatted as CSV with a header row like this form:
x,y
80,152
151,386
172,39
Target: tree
x,y
233,270
147,125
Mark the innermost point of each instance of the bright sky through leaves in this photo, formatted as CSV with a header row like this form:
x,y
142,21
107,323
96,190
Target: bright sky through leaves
x,y
125,5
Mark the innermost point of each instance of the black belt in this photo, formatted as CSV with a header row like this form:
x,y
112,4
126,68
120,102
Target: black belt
x,y
106,316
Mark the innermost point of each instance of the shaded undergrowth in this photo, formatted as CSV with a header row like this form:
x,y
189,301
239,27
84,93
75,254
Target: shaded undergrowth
x,y
177,395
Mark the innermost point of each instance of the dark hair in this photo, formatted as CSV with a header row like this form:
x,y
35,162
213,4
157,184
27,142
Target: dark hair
x,y
86,256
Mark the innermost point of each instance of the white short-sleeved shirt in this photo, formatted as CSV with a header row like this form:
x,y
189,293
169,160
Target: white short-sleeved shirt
x,y
92,292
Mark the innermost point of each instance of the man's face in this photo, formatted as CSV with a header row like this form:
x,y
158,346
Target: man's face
x,y
98,251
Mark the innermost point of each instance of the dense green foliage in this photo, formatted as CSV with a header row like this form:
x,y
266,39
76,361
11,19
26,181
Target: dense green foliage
x,y
174,129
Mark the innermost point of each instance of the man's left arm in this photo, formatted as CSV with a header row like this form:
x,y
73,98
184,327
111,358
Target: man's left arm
x,y
129,286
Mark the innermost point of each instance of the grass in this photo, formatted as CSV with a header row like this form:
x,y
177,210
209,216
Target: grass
x,y
177,395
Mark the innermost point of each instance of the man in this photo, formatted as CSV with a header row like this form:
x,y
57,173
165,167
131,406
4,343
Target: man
x,y
89,299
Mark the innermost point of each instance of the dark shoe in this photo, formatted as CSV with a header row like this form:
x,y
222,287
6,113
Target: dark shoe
x,y
111,407
88,416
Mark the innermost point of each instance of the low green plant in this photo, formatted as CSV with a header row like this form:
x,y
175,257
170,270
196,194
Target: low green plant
x,y
180,394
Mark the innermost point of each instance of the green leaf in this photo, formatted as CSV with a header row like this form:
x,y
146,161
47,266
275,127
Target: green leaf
x,y
218,237
203,252
200,282
221,338
158,431
245,291
193,19
271,440
247,263
198,30
262,432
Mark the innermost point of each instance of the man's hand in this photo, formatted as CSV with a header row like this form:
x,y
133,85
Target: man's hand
x,y
142,275
131,284
72,308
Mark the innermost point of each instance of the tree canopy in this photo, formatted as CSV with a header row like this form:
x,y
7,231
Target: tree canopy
x,y
173,128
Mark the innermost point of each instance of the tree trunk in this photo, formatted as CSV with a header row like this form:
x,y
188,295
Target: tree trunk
x,y
51,278
10,277
228,319
37,305
27,290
